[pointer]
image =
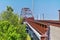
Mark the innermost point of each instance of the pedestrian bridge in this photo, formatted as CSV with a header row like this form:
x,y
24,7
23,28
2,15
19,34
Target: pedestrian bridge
x,y
39,29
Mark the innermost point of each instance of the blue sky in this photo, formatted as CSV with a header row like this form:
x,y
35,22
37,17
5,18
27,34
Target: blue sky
x,y
48,7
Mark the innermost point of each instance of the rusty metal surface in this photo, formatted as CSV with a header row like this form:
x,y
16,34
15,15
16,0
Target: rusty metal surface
x,y
49,22
41,28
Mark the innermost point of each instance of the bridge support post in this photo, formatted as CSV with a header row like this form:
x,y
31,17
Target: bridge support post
x,y
44,37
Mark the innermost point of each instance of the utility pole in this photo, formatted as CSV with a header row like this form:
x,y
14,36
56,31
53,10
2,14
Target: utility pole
x,y
43,16
37,16
40,16
32,6
59,15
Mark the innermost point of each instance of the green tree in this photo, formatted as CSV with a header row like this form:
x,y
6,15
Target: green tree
x,y
10,29
21,20
10,16
9,8
9,32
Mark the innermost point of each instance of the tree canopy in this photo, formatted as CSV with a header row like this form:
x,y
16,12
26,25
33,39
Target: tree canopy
x,y
10,29
10,32
10,16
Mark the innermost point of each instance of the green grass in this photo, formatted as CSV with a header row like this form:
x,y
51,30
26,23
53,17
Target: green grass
x,y
28,37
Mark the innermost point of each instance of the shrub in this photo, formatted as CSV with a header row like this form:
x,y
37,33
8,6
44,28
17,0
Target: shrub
x,y
10,32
